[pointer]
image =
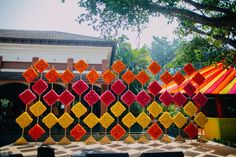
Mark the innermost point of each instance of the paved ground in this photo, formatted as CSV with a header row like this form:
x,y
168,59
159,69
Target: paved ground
x,y
190,148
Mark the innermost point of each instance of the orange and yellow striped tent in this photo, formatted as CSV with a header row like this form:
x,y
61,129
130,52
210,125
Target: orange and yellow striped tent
x,y
218,80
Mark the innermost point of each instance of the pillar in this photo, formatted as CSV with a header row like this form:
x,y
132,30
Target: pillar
x,y
70,66
219,106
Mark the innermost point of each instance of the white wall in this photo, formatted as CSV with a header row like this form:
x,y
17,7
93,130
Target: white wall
x,y
54,53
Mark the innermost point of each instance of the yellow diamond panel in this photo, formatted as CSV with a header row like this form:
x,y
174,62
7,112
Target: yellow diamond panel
x,y
65,120
50,120
78,109
201,119
106,120
38,108
91,120
117,109
166,120
129,120
24,120
155,109
179,120
190,109
143,119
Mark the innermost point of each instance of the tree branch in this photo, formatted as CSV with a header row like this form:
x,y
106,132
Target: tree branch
x,y
223,21
217,37
209,7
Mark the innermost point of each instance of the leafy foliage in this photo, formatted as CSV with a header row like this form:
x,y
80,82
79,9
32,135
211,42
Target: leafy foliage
x,y
213,18
200,52
163,51
135,59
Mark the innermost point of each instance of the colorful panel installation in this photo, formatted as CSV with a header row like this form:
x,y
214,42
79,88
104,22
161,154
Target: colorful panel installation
x,y
79,97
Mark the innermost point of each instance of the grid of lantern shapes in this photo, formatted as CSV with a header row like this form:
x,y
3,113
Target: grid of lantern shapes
x,y
152,109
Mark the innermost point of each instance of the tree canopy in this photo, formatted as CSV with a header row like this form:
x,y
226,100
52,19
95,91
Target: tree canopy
x,y
162,50
200,52
213,18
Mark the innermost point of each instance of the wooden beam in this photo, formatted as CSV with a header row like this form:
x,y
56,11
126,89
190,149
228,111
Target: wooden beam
x,y
104,65
25,65
0,62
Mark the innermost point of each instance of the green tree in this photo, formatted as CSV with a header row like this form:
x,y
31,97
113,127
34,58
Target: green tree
x,y
200,52
213,18
135,59
163,51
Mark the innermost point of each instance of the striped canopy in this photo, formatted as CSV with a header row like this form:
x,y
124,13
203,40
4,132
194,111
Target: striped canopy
x,y
217,81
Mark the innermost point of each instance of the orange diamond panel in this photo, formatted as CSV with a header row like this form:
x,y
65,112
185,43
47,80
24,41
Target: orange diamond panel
x,y
118,66
166,77
198,79
52,75
142,77
77,132
117,132
128,77
155,131
67,76
41,65
189,69
154,68
30,74
80,66
108,76
178,78
92,76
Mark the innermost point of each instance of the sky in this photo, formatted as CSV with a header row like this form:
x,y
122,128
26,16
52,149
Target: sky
x,y
53,15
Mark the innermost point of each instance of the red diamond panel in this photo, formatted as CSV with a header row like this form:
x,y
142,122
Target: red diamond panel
x,y
30,74
40,86
66,98
117,132
128,98
191,131
178,78
200,99
41,65
189,89
27,97
36,132
80,87
166,77
77,132
143,98
118,87
107,97
189,69
179,99
91,97
166,98
154,131
198,79
154,88
51,97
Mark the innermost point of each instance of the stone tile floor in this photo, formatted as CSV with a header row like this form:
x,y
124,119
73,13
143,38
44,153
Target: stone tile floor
x,y
190,148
